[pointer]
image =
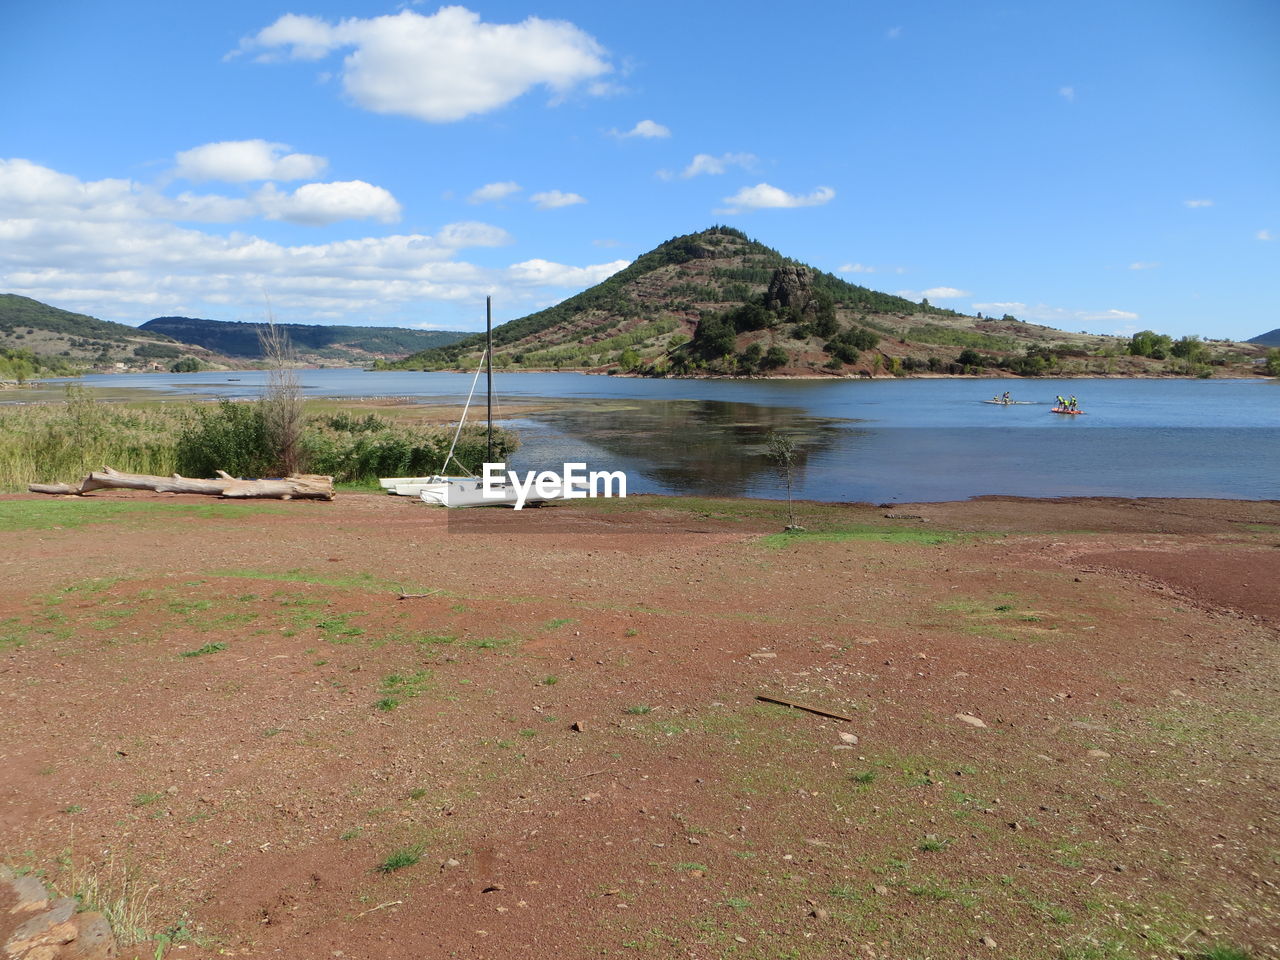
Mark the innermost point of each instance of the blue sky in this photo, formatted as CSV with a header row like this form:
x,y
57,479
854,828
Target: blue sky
x,y
1095,166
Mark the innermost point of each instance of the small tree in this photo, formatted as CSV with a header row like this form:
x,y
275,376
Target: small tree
x,y
282,411
782,451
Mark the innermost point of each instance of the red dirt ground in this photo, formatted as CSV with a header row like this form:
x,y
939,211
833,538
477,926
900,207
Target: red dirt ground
x,y
1120,801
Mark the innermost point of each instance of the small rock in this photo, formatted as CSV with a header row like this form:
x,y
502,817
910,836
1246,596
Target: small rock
x,y
848,738
694,841
987,942
764,656
740,939
450,864
819,914
881,890
970,719
493,888
1015,825
1098,754
577,726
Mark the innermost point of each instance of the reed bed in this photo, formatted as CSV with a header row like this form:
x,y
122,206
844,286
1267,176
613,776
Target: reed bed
x,y
65,441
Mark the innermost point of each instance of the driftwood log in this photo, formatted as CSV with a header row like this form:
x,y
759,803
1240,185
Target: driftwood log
x,y
300,486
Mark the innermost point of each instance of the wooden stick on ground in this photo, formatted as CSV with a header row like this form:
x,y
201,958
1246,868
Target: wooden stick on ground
x,y
801,706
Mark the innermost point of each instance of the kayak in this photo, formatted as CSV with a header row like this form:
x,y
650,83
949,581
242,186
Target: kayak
x,y
1012,403
1069,413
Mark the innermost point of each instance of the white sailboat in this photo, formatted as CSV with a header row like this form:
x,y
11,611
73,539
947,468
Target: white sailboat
x,y
455,490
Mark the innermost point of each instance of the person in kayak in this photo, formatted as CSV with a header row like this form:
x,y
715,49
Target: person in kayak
x,y
1006,398
1061,402
1071,404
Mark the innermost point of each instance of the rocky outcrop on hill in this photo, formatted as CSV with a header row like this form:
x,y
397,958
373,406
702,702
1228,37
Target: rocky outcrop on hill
x,y
789,288
36,926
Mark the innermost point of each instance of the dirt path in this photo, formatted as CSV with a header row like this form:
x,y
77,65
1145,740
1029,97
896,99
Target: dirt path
x,y
1063,732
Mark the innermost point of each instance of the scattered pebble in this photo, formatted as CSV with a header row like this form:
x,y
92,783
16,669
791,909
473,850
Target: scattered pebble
x,y
970,719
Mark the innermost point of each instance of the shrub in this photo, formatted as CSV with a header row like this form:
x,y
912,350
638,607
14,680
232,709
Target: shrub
x,y
230,436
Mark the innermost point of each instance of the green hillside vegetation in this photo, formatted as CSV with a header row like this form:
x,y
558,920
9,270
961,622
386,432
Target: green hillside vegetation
x,y
18,312
717,303
20,366
60,342
239,339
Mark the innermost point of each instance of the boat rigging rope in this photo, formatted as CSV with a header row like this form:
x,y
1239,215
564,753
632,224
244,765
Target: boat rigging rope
x,y
444,468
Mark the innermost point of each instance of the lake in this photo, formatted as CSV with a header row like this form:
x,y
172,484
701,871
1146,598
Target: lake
x,y
859,440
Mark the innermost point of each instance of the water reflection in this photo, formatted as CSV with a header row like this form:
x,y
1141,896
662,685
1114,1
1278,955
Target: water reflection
x,y
705,447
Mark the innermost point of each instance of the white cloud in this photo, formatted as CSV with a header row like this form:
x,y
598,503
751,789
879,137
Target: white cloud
x,y
552,199
470,233
764,196
115,249
494,191
1194,204
544,273
1059,317
856,268
443,67
1264,235
705,163
1143,265
27,189
239,161
315,204
1068,94
893,33
934,293
646,129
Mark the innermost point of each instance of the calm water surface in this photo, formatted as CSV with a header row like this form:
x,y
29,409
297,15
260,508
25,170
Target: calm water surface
x,y
878,440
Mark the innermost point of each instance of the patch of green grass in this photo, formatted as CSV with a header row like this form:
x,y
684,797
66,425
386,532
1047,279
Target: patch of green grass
x,y
399,687
351,834
686,867
557,623
865,777
933,845
146,799
845,892
639,710
738,903
1223,952
355,581
550,680
492,643
429,639
337,627
399,859
864,532
202,651
47,514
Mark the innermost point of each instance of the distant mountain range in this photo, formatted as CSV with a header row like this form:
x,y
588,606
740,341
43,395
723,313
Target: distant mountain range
x,y
49,340
717,303
1271,339
349,344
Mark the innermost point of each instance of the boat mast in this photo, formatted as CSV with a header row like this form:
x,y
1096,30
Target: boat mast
x,y
488,355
